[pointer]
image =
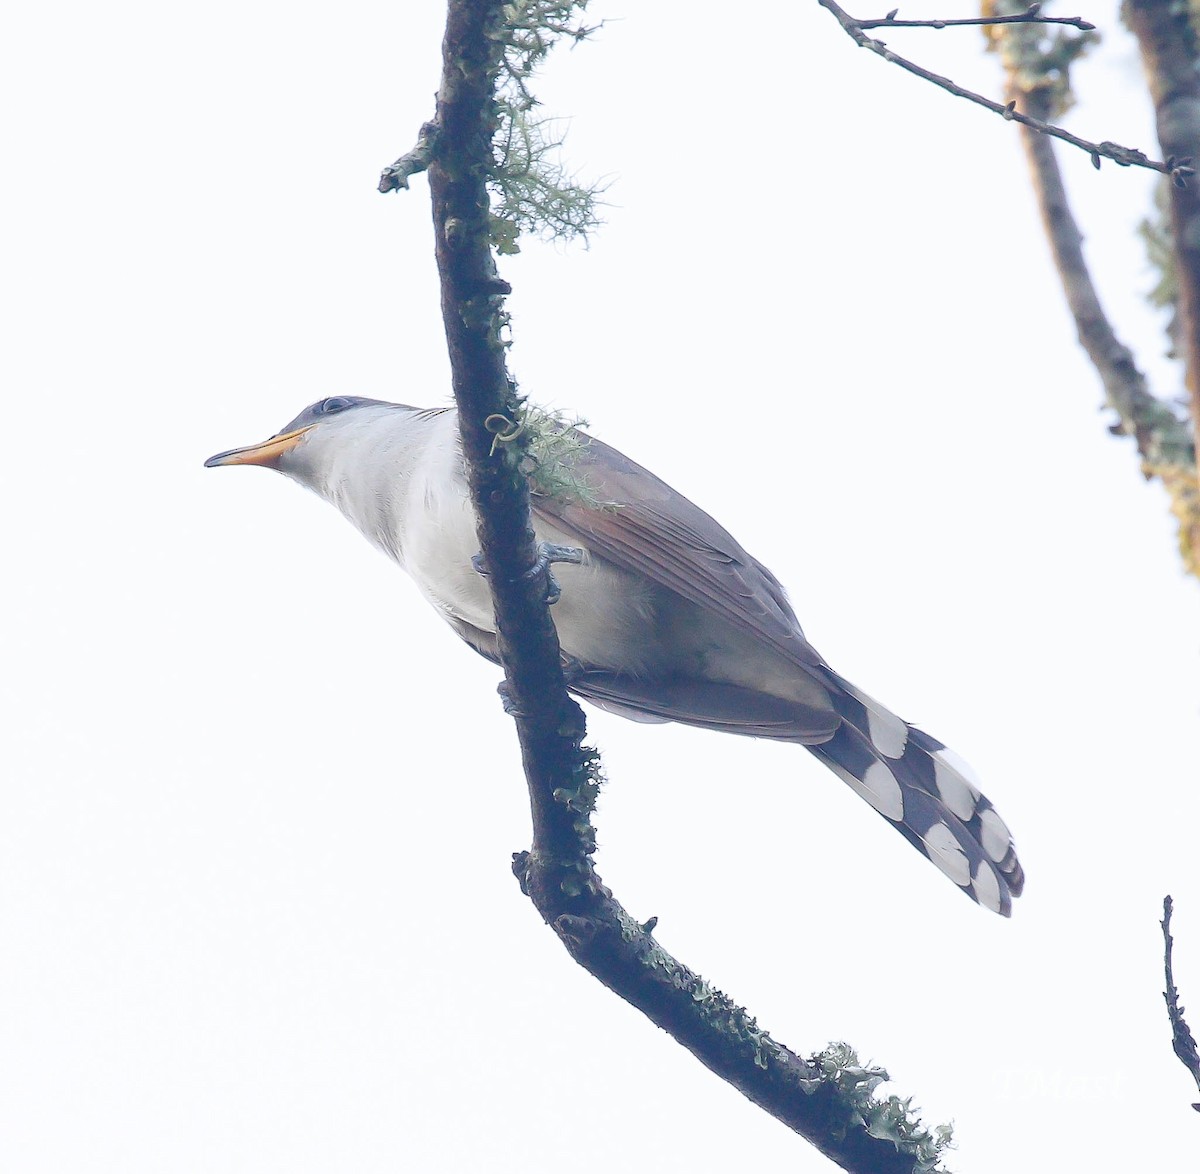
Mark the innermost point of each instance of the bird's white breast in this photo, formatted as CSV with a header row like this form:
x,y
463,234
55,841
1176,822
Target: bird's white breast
x,y
407,493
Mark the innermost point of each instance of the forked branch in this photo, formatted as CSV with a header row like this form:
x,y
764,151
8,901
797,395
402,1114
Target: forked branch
x,y
1177,169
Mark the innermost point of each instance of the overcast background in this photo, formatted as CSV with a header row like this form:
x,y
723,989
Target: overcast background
x,y
258,804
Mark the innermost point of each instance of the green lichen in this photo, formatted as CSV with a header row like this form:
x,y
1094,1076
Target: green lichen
x,y
532,191
550,451
553,454
714,1007
1039,57
892,1119
835,1069
579,796
1159,242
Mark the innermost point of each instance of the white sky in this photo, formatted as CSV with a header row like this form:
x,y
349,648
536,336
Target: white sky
x,y
256,911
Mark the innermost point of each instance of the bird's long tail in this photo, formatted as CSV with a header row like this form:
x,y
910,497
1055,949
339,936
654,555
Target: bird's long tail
x,y
927,792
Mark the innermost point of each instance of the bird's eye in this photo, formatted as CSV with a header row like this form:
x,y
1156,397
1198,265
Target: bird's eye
x,y
335,403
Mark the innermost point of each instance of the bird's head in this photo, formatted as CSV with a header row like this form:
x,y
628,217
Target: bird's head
x,y
308,448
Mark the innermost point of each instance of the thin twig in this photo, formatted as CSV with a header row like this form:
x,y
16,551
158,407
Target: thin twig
x,y
1032,15
1182,1040
1178,169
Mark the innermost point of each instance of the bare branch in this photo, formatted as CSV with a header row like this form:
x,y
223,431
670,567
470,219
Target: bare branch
x,y
1178,169
1032,15
1182,1041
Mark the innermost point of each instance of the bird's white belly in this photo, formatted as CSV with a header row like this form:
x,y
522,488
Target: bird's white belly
x,y
604,617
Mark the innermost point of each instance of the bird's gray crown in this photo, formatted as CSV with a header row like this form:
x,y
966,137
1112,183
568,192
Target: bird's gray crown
x,y
330,406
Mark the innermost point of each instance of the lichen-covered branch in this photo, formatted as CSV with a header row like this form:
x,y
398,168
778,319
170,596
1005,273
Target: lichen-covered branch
x,y
1035,84
1169,38
528,189
1037,78
1183,1043
1126,156
829,1099
550,726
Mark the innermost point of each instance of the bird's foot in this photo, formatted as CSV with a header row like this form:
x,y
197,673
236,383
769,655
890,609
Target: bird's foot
x,y
506,700
572,670
548,553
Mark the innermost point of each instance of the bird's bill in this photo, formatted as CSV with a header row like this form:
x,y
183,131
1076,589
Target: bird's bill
x,y
267,453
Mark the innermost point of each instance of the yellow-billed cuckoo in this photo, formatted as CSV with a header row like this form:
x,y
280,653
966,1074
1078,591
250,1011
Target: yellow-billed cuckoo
x,y
666,618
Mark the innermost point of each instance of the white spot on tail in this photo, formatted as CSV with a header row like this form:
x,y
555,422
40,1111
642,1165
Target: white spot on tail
x,y
996,838
946,852
878,786
888,733
986,888
954,783
959,765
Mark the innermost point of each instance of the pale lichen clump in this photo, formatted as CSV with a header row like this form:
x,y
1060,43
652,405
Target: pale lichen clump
x,y
836,1069
552,459
892,1118
551,450
532,191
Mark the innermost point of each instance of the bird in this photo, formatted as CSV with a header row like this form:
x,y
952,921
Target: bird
x,y
661,615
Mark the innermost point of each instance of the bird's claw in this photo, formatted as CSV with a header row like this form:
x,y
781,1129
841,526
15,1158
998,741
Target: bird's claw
x,y
506,700
572,670
548,553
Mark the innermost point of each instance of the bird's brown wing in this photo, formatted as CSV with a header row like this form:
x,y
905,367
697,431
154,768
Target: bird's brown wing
x,y
639,523
712,706
728,709
907,776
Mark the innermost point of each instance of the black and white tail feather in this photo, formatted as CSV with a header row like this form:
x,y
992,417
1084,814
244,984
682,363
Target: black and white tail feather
x,y
926,791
